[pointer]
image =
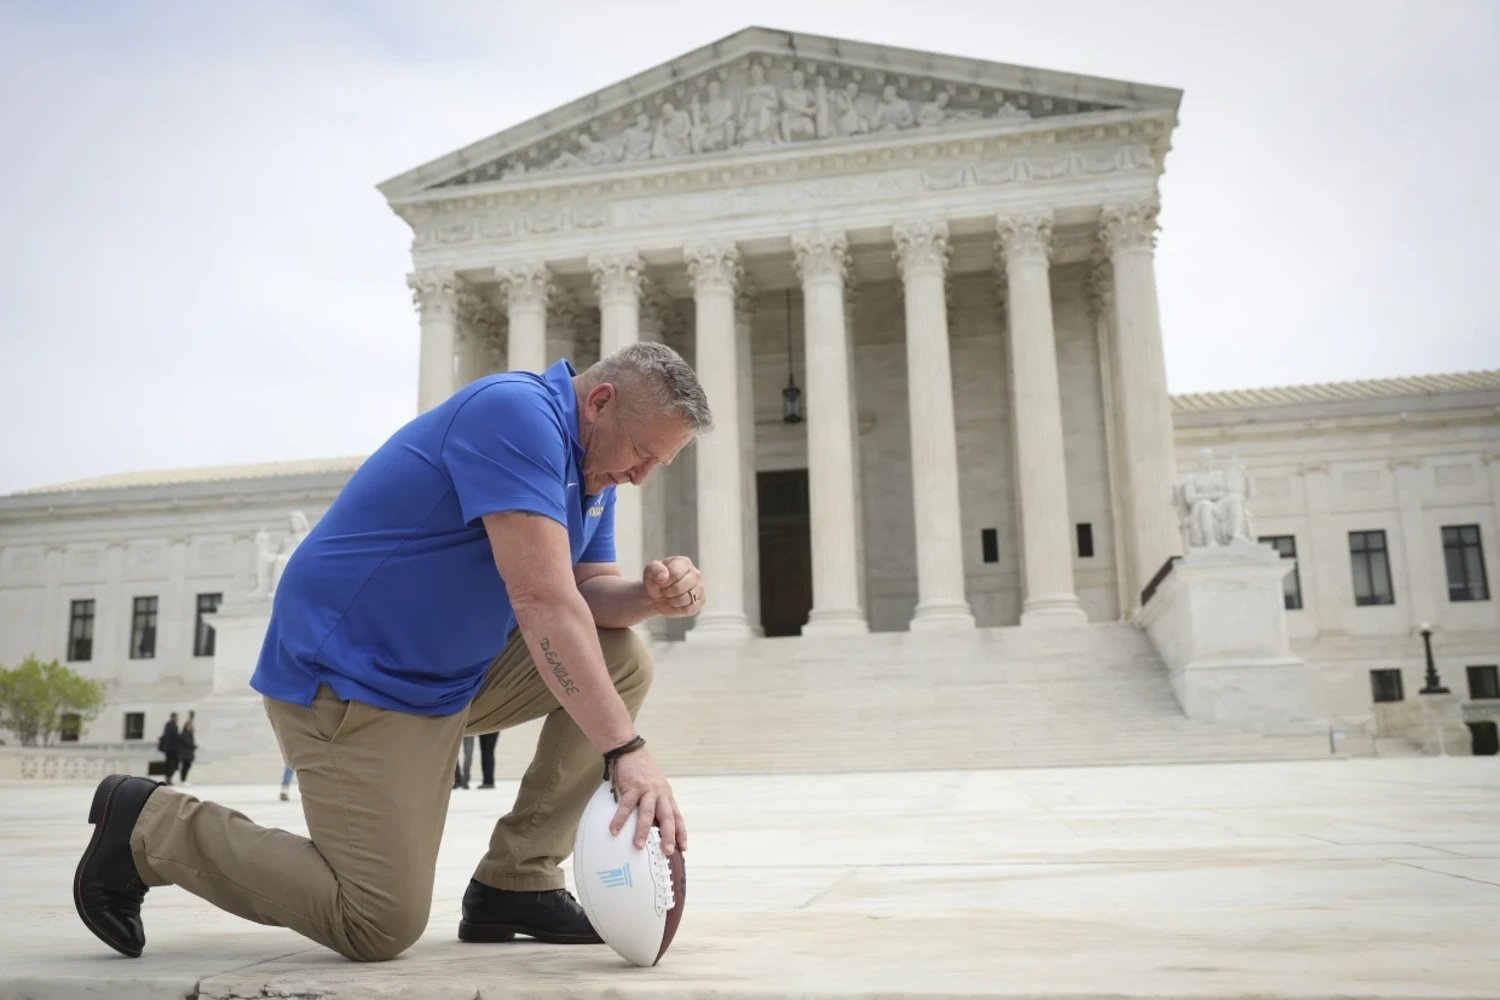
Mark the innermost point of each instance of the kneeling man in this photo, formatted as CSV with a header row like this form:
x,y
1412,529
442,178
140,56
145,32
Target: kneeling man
x,y
485,524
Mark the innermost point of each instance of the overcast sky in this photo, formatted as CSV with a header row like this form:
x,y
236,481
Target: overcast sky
x,y
196,268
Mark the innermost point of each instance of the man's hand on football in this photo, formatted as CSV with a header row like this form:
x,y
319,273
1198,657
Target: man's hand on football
x,y
642,786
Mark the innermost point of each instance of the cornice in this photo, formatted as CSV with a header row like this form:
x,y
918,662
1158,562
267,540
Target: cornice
x,y
854,154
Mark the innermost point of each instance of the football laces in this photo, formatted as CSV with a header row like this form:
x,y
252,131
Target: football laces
x,y
661,872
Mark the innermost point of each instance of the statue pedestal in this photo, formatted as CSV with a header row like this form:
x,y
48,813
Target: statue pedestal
x,y
235,737
1218,620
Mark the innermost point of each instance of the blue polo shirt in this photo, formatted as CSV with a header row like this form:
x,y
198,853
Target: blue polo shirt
x,y
393,599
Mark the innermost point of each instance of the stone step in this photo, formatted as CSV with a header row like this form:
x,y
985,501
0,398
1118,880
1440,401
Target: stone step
x,y
989,698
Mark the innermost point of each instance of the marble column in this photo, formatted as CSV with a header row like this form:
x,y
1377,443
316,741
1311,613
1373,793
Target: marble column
x,y
1419,552
435,294
922,253
744,317
715,272
822,261
567,322
617,279
479,327
526,289
1025,243
1129,235
851,302
1102,306
662,486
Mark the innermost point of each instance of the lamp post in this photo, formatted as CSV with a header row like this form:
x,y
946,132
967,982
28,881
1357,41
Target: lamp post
x,y
1434,683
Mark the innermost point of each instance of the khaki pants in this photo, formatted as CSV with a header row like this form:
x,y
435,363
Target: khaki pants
x,y
375,788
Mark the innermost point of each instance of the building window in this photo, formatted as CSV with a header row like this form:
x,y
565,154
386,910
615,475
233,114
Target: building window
x,y
1372,568
989,540
1291,584
135,725
143,629
1085,541
1465,560
69,724
203,633
81,631
1484,682
1386,685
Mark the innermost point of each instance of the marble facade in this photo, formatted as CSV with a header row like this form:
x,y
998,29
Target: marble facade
x,y
961,257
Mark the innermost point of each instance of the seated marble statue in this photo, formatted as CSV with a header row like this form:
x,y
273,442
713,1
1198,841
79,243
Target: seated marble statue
x,y
1211,504
278,561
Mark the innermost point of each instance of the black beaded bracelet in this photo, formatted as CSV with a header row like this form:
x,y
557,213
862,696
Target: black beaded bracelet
x,y
610,756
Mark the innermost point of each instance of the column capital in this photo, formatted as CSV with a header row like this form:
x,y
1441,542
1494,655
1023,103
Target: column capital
x,y
476,313
713,267
822,255
525,284
1129,226
921,245
565,314
659,317
1024,236
618,277
434,292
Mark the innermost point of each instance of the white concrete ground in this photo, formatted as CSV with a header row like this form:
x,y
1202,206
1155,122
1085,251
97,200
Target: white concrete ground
x,y
1363,878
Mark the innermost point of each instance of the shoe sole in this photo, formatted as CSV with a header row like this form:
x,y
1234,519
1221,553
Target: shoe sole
x,y
500,933
98,816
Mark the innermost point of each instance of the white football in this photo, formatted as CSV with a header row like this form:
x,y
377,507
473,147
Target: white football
x,y
632,897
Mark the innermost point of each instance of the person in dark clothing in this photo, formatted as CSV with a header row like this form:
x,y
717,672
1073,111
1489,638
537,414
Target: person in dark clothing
x,y
487,743
167,744
187,748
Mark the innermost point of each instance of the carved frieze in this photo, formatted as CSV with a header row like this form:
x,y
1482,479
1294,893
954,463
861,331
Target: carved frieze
x,y
754,188
764,103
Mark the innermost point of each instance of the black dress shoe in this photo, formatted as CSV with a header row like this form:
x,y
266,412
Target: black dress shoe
x,y
107,889
553,917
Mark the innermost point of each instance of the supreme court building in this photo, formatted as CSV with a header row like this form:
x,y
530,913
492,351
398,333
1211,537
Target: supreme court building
x,y
920,293
952,259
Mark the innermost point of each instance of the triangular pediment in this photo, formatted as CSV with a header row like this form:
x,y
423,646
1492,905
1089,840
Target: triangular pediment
x,y
763,90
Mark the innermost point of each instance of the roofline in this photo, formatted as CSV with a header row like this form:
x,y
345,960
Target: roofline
x,y
752,40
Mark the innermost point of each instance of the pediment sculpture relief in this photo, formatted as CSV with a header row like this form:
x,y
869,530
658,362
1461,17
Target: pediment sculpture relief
x,y
764,104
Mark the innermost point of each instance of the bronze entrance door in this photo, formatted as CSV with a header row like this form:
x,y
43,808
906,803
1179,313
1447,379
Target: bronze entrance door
x,y
785,551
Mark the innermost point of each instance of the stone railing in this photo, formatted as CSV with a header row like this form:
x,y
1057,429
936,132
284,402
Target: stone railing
x,y
73,763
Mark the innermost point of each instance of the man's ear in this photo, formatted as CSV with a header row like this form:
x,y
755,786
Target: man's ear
x,y
598,398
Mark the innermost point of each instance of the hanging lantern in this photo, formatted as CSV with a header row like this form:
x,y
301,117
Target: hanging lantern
x,y
791,396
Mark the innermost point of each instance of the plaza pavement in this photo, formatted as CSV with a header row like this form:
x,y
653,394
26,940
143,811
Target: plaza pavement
x,y
1353,878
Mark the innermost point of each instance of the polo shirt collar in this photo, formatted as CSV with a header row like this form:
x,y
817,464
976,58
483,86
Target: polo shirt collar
x,y
559,379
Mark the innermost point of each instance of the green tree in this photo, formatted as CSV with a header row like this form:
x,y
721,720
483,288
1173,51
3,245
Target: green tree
x,y
35,696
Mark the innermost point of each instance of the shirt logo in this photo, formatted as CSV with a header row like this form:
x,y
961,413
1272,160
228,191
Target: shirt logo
x,y
596,511
616,878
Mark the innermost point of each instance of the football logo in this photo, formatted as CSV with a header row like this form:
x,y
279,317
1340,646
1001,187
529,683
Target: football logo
x,y
616,878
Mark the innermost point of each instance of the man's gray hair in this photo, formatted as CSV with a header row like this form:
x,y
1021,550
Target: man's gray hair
x,y
667,380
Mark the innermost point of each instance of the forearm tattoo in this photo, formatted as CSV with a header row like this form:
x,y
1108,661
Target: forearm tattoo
x,y
558,670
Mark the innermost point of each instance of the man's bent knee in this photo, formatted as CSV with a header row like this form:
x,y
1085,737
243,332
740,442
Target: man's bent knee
x,y
628,659
383,938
